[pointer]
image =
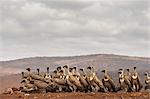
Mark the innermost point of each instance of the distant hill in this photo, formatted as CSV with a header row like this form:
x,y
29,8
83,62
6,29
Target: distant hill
x,y
99,61
9,70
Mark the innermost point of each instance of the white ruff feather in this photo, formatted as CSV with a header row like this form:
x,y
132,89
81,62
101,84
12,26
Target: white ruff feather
x,y
134,77
105,79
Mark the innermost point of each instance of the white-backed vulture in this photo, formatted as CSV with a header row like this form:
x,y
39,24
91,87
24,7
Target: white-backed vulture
x,y
108,82
135,81
147,81
93,80
125,84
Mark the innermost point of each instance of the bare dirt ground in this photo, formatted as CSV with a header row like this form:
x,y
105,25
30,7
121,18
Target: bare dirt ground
x,y
133,95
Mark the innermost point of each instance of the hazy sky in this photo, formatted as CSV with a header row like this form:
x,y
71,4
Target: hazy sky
x,y
31,28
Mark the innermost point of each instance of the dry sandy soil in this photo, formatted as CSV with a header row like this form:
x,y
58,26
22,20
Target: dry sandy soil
x,y
139,95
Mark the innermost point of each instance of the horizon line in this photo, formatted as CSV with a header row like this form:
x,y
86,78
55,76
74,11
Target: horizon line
x,y
65,56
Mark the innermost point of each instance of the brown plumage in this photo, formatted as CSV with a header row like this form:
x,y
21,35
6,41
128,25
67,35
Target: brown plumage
x,y
135,81
147,81
108,82
124,82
